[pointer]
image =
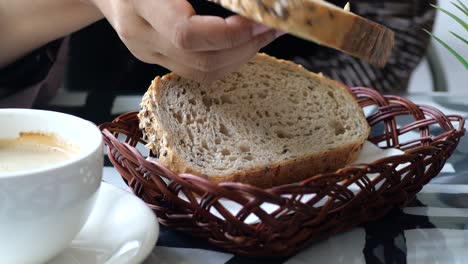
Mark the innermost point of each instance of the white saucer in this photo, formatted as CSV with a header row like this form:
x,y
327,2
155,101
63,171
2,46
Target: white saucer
x,y
120,229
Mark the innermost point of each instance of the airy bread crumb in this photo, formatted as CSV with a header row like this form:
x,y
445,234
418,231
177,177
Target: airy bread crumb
x,y
270,123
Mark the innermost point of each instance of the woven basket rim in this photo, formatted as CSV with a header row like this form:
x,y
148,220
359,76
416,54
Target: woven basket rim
x,y
342,171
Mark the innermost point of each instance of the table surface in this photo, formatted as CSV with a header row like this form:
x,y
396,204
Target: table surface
x,y
433,229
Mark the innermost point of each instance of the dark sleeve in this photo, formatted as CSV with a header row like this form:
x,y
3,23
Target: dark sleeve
x,y
406,18
33,78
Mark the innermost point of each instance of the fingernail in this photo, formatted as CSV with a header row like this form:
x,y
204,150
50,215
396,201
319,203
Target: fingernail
x,y
279,33
258,29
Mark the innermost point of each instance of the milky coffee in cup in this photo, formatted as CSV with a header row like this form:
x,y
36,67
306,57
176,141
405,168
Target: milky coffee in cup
x,y
31,150
55,165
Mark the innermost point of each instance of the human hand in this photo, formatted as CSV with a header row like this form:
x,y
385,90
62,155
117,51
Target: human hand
x,y
169,33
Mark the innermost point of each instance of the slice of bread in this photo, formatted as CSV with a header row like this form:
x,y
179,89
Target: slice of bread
x,y
270,123
320,22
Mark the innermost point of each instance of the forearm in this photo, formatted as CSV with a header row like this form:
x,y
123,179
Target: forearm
x,y
26,25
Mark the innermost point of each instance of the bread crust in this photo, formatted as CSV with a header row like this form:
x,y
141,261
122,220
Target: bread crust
x,y
320,22
161,143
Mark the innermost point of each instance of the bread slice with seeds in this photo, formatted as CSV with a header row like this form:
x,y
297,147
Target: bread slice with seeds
x,y
320,22
270,123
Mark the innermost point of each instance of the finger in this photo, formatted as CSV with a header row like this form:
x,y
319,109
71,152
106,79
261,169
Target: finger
x,y
197,75
214,60
179,23
204,33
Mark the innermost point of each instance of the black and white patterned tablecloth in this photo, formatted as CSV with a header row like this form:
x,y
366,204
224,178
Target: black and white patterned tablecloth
x,y
433,229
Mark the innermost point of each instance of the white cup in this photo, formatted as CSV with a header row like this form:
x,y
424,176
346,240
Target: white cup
x,y
42,210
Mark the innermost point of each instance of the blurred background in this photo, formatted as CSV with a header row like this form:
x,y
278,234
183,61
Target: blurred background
x,y
455,75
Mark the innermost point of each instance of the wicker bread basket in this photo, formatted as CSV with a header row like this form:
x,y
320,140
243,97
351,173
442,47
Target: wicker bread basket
x,y
316,208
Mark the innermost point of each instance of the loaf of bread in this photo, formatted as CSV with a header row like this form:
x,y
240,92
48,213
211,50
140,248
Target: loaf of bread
x,y
322,23
270,123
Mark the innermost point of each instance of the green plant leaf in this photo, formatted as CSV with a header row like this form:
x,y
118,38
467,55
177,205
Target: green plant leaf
x,y
458,56
459,20
464,10
463,5
459,37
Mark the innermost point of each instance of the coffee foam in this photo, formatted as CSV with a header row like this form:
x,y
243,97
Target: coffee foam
x,y
34,150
